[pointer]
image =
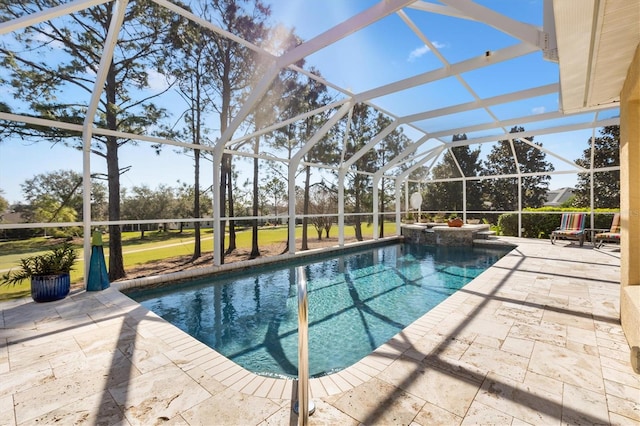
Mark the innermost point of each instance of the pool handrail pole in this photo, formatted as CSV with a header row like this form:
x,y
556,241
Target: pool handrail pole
x,y
304,406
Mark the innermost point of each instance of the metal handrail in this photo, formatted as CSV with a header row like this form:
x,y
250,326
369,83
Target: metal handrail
x,y
303,352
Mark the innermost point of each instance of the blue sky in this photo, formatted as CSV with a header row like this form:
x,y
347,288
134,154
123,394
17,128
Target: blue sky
x,y
377,55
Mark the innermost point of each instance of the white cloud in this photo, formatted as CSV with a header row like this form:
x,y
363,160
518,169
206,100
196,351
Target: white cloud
x,y
423,50
538,110
157,82
416,53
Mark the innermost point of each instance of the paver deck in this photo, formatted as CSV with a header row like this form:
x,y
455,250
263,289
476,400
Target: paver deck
x,y
536,339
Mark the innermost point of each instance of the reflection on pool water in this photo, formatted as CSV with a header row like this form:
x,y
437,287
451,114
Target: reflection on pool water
x,y
357,302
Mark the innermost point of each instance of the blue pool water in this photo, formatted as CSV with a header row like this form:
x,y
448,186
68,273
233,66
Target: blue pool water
x,y
357,302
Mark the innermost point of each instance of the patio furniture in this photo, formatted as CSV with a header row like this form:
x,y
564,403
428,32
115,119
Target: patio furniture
x,y
571,228
608,235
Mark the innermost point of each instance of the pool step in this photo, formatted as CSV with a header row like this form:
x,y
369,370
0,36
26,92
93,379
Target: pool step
x,y
484,235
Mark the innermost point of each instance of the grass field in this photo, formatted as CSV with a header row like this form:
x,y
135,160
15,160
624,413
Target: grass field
x,y
154,247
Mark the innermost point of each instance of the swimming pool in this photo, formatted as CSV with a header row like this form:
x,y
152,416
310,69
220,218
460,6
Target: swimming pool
x,y
357,302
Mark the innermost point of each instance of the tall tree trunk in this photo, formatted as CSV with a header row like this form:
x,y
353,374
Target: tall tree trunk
x,y
381,213
232,223
116,262
197,245
255,251
358,226
223,201
225,167
305,208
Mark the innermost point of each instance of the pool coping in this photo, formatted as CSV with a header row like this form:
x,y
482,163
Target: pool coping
x,y
246,264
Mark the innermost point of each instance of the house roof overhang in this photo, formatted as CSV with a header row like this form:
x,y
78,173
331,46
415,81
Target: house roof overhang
x,y
596,40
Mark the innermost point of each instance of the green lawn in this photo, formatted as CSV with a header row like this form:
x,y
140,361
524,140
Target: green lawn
x,y
155,246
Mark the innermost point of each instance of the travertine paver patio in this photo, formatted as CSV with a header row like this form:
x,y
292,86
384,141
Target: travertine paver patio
x,y
535,340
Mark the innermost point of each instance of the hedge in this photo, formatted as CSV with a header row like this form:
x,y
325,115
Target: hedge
x,y
538,223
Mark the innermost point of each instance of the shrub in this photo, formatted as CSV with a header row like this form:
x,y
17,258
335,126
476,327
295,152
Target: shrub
x,y
540,225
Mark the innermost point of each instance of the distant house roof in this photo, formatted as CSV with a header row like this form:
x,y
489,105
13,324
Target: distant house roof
x,y
556,197
11,216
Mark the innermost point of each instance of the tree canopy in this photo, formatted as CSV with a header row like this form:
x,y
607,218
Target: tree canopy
x,y
64,188
518,156
457,162
606,184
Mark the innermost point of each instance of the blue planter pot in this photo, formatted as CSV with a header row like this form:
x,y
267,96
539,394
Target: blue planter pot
x,y
47,288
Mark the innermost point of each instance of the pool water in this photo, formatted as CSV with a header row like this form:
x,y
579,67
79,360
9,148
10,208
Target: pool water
x,y
357,302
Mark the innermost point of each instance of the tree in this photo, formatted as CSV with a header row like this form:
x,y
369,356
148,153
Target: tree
x,y
233,66
306,95
58,61
187,62
276,190
275,99
188,65
391,146
186,207
323,203
503,192
315,95
363,128
146,204
64,187
4,204
606,184
447,196
47,210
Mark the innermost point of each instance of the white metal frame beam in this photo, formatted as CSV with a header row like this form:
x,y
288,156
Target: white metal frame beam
x,y
47,14
520,30
484,103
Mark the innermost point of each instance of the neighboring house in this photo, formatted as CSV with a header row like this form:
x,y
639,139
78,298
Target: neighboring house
x,y
557,197
11,216
190,225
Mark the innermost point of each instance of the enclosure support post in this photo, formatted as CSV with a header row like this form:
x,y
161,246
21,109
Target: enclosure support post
x,y
464,200
398,206
406,196
519,206
291,235
341,176
376,210
592,157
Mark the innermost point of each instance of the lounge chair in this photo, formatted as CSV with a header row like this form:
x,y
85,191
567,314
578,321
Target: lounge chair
x,y
608,235
571,228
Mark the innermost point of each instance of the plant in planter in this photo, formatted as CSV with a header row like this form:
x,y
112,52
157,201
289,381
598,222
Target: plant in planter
x,y
439,218
456,222
49,273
